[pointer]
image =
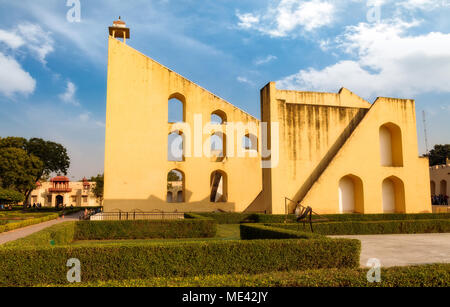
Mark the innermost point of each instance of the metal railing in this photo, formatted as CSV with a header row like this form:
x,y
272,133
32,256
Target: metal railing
x,y
136,215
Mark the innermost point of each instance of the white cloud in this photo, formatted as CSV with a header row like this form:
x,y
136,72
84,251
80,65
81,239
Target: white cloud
x,y
69,95
265,60
37,40
388,62
287,17
11,39
30,36
244,80
426,5
13,79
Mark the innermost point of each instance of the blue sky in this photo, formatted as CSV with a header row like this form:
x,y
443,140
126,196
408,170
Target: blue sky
x,y
53,71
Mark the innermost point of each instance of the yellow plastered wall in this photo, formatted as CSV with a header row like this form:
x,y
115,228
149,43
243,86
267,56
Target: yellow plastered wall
x,y
318,147
137,128
360,157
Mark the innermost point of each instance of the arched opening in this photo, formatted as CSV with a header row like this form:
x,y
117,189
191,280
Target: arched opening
x,y
218,187
218,146
59,201
175,186
351,195
443,188
175,147
391,152
218,117
393,195
177,112
433,188
250,142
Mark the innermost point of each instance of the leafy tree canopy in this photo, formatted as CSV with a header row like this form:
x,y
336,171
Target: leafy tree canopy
x,y
439,154
10,197
24,162
18,170
98,188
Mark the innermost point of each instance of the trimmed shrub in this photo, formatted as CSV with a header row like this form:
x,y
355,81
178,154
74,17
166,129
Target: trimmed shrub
x,y
145,229
257,231
374,227
47,216
24,223
268,218
141,261
435,275
229,218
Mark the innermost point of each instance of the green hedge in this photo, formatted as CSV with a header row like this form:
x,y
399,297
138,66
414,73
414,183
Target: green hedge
x,y
268,218
33,221
24,223
237,218
229,218
374,227
436,275
31,266
145,229
258,231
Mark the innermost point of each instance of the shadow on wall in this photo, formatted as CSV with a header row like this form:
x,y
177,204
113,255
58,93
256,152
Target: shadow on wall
x,y
153,203
328,157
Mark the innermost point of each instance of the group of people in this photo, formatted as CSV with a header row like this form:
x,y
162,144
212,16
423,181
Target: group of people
x,y
440,199
6,207
34,206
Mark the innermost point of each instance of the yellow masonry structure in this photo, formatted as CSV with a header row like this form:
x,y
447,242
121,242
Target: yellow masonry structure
x,y
336,153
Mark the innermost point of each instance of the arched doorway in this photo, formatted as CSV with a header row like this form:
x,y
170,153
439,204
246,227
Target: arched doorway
x,y
218,187
443,188
59,201
391,152
351,197
393,195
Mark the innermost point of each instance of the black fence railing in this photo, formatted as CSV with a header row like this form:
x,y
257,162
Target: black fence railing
x,y
133,216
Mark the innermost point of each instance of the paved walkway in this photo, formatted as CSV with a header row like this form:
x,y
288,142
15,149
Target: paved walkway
x,y
404,250
26,231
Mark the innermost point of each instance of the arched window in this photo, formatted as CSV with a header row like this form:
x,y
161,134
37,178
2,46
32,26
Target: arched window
x,y
443,188
175,147
250,142
433,188
391,152
351,197
175,186
177,104
218,187
393,195
218,117
218,146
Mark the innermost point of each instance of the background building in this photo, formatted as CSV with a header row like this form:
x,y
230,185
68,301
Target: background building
x,y
61,191
440,191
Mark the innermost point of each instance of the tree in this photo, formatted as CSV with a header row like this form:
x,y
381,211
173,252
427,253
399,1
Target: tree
x,y
53,156
18,170
173,176
439,154
98,188
10,197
